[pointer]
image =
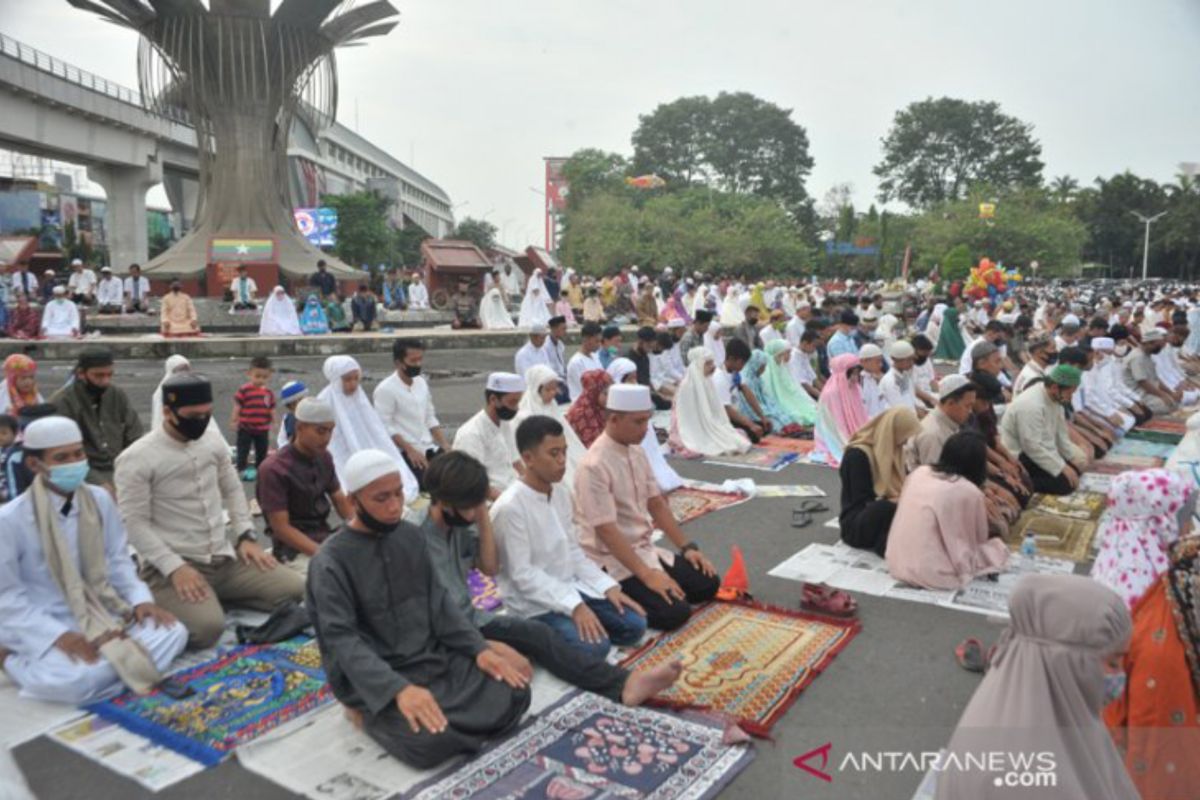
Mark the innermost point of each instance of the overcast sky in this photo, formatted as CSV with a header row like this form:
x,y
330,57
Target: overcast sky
x,y
474,93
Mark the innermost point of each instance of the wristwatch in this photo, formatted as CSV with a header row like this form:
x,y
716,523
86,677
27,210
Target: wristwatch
x,y
247,536
689,546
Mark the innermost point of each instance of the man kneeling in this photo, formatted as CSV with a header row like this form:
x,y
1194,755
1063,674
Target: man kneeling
x,y
78,625
395,645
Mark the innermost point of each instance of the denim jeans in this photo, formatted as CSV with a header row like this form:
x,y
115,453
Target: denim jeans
x,y
624,628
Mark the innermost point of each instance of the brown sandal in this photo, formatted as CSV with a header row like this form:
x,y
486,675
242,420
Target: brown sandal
x,y
821,599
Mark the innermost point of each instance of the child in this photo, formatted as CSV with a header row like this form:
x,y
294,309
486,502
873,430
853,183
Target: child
x,y
253,411
290,396
8,431
610,345
337,314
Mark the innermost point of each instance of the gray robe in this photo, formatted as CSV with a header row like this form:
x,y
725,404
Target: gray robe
x,y
384,621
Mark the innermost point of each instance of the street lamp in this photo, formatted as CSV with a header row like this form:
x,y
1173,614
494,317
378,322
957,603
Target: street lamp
x,y
1146,248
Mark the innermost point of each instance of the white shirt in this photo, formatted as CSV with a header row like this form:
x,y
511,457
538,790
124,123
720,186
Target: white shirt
x,y
723,382
899,390
768,334
418,296
32,605
793,331
60,318
529,356
143,286
1031,371
872,395
494,446
108,292
542,567
924,376
660,371
580,363
20,278
82,282
800,365
407,411
673,359
245,286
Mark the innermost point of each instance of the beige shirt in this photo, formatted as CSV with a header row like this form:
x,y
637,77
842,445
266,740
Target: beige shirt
x,y
1036,426
172,496
926,447
613,484
178,313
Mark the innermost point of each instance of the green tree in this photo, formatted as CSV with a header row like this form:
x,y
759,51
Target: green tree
x,y
956,265
1181,227
590,170
364,236
406,245
1115,235
937,150
670,140
1064,188
479,231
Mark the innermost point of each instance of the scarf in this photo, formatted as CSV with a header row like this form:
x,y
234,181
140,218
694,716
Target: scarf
x,y
882,439
699,423
587,412
15,366
1183,593
96,606
784,390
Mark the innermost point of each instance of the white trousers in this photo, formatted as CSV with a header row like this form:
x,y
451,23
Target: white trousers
x,y
56,678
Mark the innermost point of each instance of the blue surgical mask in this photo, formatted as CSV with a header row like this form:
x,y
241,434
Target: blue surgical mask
x,y
68,477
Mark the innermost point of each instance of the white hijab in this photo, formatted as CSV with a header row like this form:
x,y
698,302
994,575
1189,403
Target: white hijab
x,y
279,316
534,308
358,426
732,311
698,417
531,405
713,344
493,313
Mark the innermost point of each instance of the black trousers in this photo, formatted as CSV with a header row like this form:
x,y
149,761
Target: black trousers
x,y
240,306
1043,481
1143,417
660,403
539,642
697,587
244,440
419,474
867,527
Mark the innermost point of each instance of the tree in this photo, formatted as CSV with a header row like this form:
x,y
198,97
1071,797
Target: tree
x,y
1116,236
479,231
956,265
1064,188
590,170
406,245
936,150
364,236
670,140
1181,227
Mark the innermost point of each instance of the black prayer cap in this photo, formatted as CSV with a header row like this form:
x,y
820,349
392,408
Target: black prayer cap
x,y
646,334
989,387
188,389
94,357
703,315
29,413
848,317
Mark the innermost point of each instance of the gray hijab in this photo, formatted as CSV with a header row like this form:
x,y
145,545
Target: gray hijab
x,y
1044,693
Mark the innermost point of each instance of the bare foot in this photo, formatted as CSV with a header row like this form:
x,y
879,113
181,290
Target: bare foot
x,y
645,683
354,716
4,654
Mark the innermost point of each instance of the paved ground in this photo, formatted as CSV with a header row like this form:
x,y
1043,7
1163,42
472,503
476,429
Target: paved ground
x,y
894,688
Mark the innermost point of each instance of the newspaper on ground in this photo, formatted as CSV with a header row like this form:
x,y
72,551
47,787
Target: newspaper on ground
x,y
802,490
125,753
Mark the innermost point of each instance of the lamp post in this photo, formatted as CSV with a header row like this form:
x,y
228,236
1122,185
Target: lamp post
x,y
1146,246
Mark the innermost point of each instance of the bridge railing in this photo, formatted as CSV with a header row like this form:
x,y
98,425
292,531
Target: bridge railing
x,y
88,80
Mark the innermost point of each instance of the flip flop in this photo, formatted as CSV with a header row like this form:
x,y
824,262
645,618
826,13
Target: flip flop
x,y
821,599
970,656
812,506
801,518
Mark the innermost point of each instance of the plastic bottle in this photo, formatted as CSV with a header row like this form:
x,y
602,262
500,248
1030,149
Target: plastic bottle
x,y
1029,550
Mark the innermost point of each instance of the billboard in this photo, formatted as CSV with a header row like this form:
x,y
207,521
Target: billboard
x,y
556,199
318,225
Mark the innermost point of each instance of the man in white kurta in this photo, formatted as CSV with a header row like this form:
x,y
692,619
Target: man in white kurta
x,y
42,647
489,437
533,352
418,295
897,385
585,360
60,317
110,294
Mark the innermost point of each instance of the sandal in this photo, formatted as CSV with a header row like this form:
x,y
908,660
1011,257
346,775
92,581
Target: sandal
x,y
821,599
970,656
811,507
801,518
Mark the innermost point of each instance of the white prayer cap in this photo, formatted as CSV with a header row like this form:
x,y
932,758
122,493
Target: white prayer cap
x,y
629,397
106,268
1103,343
76,262
60,289
1127,304
55,431
506,382
538,328
803,304
676,322
870,351
667,269
1070,321
366,467
618,368
1155,335
951,384
314,411
901,349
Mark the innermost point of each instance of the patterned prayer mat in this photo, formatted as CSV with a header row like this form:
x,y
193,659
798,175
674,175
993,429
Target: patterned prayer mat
x,y
688,504
238,697
1079,504
485,595
1056,536
1133,447
585,746
788,445
755,458
1116,464
745,660
1164,425
1160,437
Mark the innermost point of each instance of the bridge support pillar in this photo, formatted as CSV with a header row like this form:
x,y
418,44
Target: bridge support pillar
x,y
126,224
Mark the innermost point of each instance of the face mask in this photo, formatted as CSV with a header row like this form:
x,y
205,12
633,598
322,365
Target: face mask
x,y
612,351
372,524
94,390
920,360
505,413
1052,358
1114,686
68,477
411,372
192,428
454,519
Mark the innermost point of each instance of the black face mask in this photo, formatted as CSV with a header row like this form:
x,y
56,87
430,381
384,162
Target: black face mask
x,y
412,372
454,519
1051,358
920,360
372,524
505,413
95,391
191,428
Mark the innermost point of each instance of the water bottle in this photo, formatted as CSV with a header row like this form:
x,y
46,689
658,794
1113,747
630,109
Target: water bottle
x,y
1029,549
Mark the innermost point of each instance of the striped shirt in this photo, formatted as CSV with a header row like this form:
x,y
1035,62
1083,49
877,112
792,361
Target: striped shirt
x,y
256,408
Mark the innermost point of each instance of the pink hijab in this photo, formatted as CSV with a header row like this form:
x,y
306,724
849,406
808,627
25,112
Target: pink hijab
x,y
843,397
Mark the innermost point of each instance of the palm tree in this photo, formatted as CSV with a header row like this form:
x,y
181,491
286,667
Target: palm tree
x,y
1063,188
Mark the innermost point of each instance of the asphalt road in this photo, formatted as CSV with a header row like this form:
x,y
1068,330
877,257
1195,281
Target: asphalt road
x,y
895,688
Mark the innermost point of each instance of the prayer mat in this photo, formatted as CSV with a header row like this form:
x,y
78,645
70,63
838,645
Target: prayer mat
x,y
1116,464
755,458
585,746
688,504
485,595
1160,437
1164,425
801,446
237,697
744,660
1056,536
1079,504
1132,447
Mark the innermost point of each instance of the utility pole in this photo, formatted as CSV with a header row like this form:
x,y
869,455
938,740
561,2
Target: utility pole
x,y
1146,246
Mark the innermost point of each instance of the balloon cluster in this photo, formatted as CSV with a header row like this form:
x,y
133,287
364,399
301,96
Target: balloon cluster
x,y
987,280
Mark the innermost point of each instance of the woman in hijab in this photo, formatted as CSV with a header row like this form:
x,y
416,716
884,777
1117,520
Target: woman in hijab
x,y
1043,694
541,387
872,474
313,321
357,425
1143,521
712,341
939,536
493,313
782,388
25,322
732,314
699,423
950,344
20,384
586,414
535,309
752,379
841,410
279,315
1155,719
676,307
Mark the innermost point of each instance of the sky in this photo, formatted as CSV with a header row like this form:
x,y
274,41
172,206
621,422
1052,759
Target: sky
x,y
474,93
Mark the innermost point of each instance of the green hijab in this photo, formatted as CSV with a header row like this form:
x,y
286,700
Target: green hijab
x,y
783,389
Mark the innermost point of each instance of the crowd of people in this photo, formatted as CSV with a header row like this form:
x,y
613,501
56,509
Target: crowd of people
x,y
372,513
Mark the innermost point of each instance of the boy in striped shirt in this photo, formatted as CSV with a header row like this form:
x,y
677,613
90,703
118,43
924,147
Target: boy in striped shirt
x,y
253,412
